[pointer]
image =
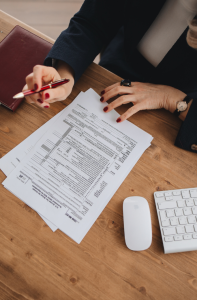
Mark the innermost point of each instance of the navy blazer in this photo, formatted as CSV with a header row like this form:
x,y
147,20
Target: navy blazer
x,y
119,26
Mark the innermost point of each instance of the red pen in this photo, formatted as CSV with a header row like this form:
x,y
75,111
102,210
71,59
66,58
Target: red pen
x,y
51,85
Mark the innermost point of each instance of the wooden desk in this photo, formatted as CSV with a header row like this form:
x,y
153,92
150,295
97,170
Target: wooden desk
x,y
36,263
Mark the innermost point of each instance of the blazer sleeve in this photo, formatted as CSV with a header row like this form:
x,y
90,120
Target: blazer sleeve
x,y
96,23
187,135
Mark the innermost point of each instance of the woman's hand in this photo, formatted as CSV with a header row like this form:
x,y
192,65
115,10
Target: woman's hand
x,y
43,75
142,96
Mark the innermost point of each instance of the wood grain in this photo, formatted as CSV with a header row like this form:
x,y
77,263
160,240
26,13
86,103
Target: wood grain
x,y
36,263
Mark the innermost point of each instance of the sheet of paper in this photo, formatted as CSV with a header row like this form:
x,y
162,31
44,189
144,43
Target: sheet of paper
x,y
77,166
9,161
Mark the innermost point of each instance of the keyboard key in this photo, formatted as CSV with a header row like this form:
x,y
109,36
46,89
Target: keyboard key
x,y
165,205
179,212
168,238
169,198
185,194
194,210
195,201
178,237
162,215
158,195
170,213
187,237
191,219
180,229
176,193
167,194
194,235
182,220
165,223
187,211
169,231
181,203
189,228
174,221
193,193
189,202
195,227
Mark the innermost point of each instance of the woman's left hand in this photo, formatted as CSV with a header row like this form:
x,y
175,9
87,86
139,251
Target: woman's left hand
x,y
143,96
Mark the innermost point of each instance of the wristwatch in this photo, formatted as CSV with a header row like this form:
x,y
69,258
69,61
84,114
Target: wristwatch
x,y
182,105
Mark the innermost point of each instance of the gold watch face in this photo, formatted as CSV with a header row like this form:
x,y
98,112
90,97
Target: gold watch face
x,y
181,106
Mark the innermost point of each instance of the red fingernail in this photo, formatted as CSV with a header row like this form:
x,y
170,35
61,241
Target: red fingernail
x,y
103,92
39,100
102,98
105,108
47,96
46,106
118,120
35,86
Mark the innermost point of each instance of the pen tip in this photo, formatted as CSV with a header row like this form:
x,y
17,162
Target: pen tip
x,y
18,96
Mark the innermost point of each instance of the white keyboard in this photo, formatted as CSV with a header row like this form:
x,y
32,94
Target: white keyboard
x,y
177,214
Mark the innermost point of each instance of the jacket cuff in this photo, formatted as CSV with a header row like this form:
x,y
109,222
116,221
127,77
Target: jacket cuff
x,y
51,61
187,135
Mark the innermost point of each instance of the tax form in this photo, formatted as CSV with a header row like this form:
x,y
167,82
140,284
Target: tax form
x,y
77,165
9,161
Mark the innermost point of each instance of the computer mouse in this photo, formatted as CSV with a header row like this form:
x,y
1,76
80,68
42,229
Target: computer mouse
x,y
137,223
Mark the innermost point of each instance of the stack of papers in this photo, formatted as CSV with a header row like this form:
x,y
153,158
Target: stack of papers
x,y
69,169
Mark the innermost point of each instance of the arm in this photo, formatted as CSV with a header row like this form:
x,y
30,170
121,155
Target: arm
x,y
187,135
154,96
89,30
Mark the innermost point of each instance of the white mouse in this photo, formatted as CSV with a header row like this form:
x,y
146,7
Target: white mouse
x,y
137,223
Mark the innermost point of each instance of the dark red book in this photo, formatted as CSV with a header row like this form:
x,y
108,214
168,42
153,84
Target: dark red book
x,y
20,51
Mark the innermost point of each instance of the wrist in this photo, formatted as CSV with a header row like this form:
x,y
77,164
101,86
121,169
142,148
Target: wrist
x,y
183,114
178,96
65,70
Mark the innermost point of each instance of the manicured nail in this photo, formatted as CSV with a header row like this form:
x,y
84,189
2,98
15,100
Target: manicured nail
x,y
105,108
102,98
39,100
118,120
46,106
47,96
103,92
35,86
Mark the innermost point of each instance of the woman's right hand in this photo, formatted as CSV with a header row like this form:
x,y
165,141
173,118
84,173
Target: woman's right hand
x,y
43,75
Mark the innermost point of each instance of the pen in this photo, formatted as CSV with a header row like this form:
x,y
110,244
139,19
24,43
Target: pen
x,y
43,88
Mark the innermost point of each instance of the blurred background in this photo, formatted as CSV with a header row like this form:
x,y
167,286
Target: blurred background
x,y
48,16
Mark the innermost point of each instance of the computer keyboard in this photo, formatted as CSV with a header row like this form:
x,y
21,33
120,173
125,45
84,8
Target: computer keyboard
x,y
177,214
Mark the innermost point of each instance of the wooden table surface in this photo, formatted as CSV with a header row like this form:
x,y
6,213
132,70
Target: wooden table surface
x,y
36,263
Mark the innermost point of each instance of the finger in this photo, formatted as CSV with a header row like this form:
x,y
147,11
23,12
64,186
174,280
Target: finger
x,y
118,90
41,73
118,102
28,98
57,94
36,99
107,89
130,112
29,82
38,102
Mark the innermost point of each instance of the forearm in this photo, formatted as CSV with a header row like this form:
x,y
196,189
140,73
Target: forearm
x,y
89,30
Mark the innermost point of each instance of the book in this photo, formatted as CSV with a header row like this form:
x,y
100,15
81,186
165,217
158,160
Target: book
x,y
20,51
